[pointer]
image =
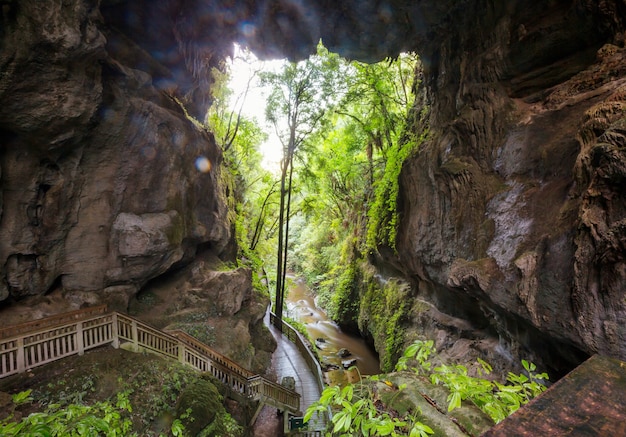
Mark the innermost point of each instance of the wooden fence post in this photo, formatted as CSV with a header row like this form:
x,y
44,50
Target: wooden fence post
x,y
80,344
181,351
135,335
115,332
21,359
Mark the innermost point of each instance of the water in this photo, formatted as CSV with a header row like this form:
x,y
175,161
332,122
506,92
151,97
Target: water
x,y
301,307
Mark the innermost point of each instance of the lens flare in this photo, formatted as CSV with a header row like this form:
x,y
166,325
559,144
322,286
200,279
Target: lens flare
x,y
203,164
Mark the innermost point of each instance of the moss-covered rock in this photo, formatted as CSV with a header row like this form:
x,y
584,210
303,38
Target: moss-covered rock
x,y
384,311
199,405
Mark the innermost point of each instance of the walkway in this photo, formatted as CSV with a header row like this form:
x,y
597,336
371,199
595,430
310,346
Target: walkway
x,y
287,361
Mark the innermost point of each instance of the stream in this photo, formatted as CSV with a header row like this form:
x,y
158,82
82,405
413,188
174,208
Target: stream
x,y
330,339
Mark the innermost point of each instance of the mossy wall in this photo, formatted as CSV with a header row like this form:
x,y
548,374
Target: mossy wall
x,y
384,310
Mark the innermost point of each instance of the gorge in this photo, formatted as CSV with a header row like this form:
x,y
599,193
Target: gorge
x,y
512,234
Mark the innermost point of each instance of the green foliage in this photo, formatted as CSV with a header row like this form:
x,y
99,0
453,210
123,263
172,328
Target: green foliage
x,y
495,399
300,96
356,412
383,214
198,406
22,397
223,426
352,180
122,394
419,351
384,311
344,305
250,187
153,387
99,419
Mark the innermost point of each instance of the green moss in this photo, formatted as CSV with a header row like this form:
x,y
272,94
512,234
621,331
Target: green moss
x,y
198,406
345,301
382,214
385,313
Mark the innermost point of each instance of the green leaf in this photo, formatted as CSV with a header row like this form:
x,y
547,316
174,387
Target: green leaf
x,y
385,428
420,430
454,401
485,366
347,392
342,421
411,351
328,394
178,429
22,397
530,367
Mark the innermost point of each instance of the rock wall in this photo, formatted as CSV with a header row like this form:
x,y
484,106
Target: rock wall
x,y
512,213
105,182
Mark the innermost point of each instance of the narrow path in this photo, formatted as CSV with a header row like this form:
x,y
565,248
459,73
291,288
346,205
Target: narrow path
x,y
287,361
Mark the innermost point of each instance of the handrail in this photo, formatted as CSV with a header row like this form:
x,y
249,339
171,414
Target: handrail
x,y
266,389
51,339
197,345
58,319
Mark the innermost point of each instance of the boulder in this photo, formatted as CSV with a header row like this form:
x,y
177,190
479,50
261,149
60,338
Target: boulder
x,y
344,353
348,363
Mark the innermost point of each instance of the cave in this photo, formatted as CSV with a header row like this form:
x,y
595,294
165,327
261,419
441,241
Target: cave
x,y
512,213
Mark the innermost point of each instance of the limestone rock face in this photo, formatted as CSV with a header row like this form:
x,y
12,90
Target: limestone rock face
x,y
100,182
216,304
512,207
226,289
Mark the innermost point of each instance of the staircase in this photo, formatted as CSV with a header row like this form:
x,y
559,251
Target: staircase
x,y
32,344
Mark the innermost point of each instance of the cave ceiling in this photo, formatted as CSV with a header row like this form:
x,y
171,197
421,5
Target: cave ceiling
x,y
191,36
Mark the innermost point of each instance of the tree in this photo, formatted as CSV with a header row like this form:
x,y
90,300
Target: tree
x,y
240,138
302,93
352,179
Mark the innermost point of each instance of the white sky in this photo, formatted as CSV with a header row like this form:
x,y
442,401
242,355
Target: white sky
x,y
243,67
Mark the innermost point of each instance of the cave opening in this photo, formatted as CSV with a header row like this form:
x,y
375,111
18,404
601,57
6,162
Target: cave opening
x,y
472,61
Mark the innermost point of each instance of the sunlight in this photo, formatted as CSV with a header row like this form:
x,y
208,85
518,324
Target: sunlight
x,y
244,75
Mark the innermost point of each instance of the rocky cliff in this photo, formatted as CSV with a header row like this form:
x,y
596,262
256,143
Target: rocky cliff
x,y
513,215
513,211
106,184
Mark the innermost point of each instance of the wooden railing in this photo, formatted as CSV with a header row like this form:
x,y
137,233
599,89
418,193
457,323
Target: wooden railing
x,y
44,345
59,319
216,357
44,341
